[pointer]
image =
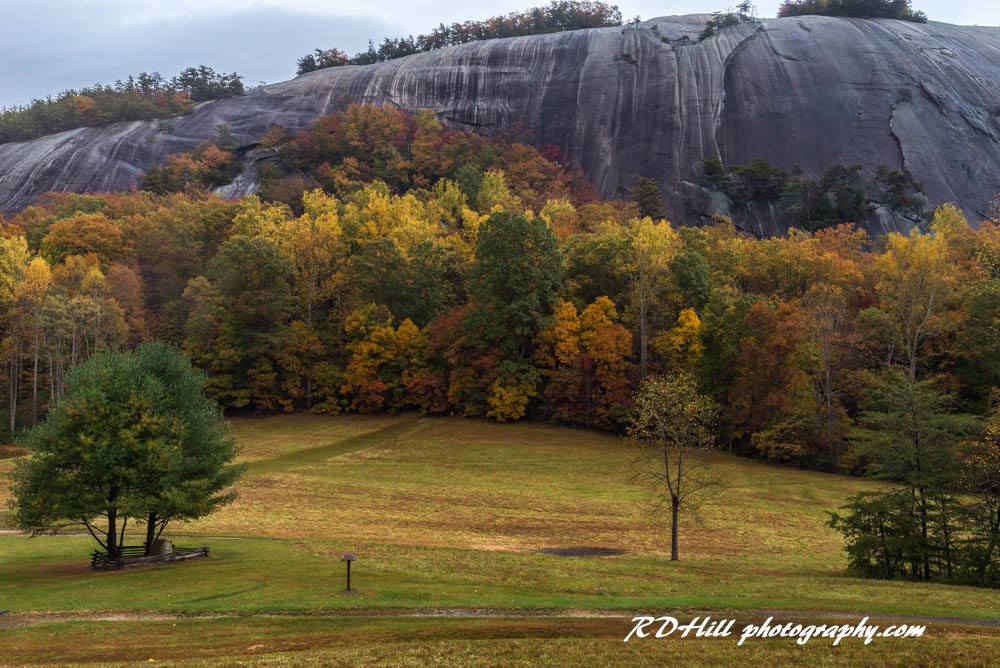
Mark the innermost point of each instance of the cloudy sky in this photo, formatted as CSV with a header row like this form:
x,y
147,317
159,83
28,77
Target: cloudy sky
x,y
50,45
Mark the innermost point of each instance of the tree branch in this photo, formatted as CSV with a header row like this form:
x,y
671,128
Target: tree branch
x,y
90,529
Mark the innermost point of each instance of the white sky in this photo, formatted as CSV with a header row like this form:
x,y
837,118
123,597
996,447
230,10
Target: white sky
x,y
49,45
429,12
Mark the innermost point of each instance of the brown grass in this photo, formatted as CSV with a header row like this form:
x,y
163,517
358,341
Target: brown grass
x,y
419,642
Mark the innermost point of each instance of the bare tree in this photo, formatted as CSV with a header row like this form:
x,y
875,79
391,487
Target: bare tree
x,y
672,419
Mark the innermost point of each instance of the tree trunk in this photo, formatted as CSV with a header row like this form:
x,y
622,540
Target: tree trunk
x,y
121,536
14,373
946,536
113,550
993,531
884,549
52,378
34,383
150,532
674,512
643,337
924,534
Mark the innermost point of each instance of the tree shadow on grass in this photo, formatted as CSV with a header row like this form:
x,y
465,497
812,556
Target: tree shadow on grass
x,y
216,597
328,450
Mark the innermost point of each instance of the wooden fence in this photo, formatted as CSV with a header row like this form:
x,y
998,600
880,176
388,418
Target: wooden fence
x,y
134,556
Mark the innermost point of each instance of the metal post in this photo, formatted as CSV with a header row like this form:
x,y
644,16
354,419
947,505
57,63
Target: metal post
x,y
348,558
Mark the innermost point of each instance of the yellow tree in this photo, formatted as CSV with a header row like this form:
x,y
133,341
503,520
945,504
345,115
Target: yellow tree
x,y
558,355
14,258
494,195
585,358
30,296
383,360
913,284
257,218
372,349
559,343
299,354
375,213
561,216
654,245
314,246
510,393
681,345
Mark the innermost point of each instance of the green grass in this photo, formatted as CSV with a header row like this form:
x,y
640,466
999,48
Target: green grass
x,y
451,513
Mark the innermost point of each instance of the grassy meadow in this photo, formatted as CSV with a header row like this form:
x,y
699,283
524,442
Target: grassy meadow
x,y
448,517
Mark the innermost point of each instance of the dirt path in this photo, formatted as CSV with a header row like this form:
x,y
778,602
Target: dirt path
x,y
12,620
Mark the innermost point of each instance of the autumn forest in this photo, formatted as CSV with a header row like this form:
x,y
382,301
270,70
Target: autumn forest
x,y
390,263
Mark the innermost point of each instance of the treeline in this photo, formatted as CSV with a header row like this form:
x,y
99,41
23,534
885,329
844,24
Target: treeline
x,y
557,16
377,302
143,97
862,9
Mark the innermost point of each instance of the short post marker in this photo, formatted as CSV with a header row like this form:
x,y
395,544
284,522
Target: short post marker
x,y
348,558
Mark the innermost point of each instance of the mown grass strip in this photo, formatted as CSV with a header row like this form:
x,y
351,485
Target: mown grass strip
x,y
319,453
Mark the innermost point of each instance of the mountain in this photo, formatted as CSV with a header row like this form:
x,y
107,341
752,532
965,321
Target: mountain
x,y
651,99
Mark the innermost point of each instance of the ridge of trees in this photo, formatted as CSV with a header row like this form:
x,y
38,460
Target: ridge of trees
x,y
862,9
557,16
143,97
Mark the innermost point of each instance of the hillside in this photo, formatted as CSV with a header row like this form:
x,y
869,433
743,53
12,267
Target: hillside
x,y
649,100
448,517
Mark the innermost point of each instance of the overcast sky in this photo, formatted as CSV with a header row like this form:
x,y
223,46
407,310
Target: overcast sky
x,y
50,45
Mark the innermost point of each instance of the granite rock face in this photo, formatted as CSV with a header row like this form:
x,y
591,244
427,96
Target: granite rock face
x,y
649,100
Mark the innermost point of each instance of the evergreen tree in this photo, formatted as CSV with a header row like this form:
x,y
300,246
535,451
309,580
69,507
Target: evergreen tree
x,y
646,193
514,281
132,438
200,481
910,436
